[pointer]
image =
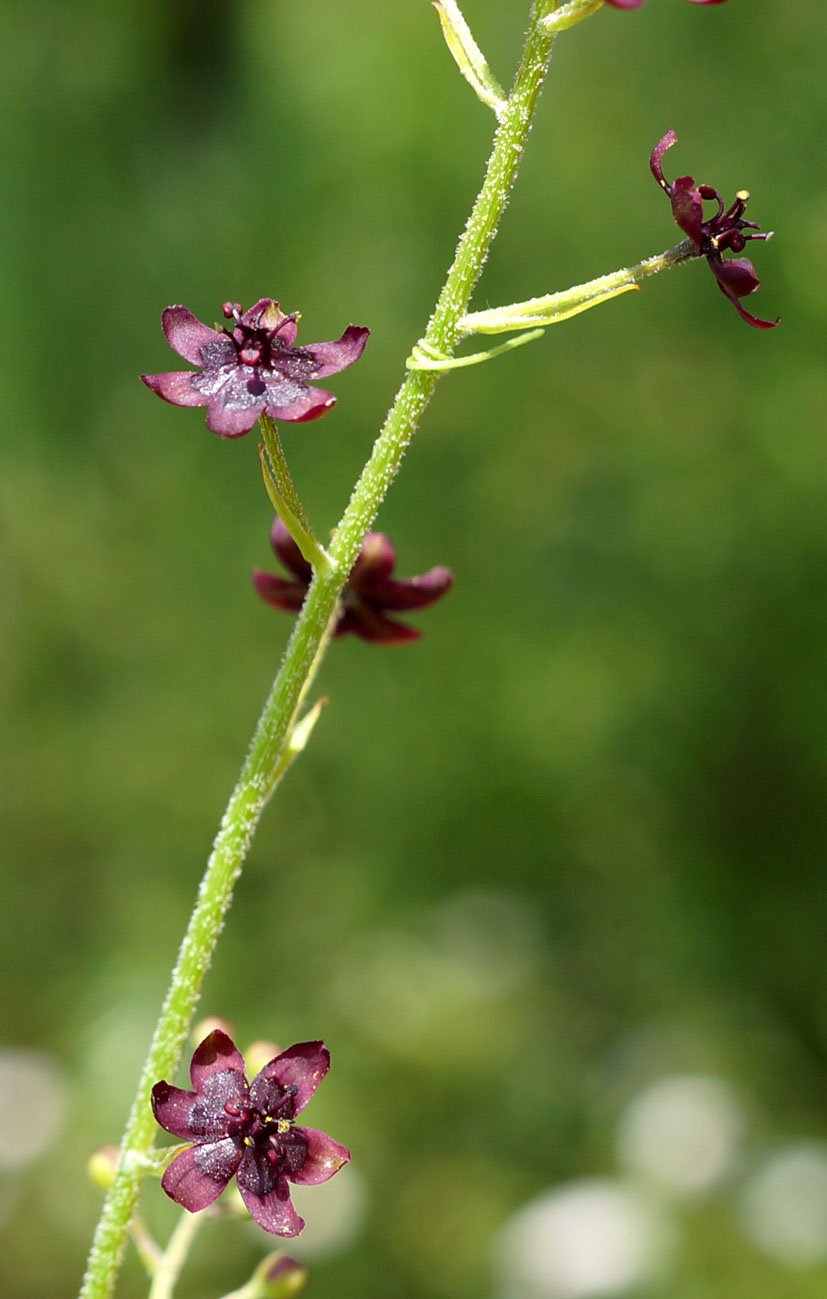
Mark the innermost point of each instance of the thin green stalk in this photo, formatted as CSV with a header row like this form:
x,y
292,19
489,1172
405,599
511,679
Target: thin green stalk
x,y
302,659
175,1255
284,497
554,307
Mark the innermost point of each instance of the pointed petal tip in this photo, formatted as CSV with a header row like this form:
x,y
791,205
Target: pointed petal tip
x,y
656,156
278,592
175,387
274,1212
185,333
303,1066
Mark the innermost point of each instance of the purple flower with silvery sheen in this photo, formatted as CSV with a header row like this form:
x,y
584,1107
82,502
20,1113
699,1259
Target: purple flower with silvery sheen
x,y
370,593
723,232
252,368
247,1131
635,4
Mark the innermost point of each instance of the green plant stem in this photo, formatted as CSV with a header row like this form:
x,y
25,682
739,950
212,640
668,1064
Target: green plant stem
x,y
175,1255
302,658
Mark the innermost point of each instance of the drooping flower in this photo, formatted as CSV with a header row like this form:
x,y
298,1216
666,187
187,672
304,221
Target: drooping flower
x,y
252,368
635,4
720,233
371,591
247,1130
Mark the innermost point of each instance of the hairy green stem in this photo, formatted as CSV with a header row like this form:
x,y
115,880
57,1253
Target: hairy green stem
x,y
272,737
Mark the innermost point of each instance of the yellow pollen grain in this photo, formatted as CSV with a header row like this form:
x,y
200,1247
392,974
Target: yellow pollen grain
x,y
284,1125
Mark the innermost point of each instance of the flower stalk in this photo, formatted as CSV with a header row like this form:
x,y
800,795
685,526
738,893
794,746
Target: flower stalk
x,y
284,497
554,307
169,1266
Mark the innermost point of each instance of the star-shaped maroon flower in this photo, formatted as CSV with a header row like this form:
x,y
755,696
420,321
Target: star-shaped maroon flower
x,y
247,1131
371,591
251,369
720,233
635,4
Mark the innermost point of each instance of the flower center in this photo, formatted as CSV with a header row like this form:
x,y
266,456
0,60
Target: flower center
x,y
268,1126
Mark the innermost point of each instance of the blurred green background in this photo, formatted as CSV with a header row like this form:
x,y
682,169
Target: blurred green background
x,y
551,883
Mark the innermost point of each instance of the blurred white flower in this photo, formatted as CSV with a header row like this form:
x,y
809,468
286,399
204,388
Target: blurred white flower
x,y
682,1133
783,1206
32,1105
583,1239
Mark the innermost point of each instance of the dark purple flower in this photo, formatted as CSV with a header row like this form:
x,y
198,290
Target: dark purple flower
x,y
370,592
635,4
722,232
253,368
247,1130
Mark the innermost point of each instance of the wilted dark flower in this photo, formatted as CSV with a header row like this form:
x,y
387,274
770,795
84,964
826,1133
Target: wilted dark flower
x,y
247,1131
370,593
635,4
253,368
723,232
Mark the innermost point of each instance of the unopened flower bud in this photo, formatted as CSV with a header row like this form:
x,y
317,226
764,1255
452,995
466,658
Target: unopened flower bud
x,y
206,1026
278,1276
101,1167
258,1054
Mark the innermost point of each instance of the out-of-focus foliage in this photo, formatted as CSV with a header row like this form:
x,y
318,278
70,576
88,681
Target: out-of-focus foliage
x,y
566,851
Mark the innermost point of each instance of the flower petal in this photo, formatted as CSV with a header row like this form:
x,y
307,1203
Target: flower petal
x,y
736,279
232,421
186,334
216,1054
273,1211
688,208
413,592
736,276
312,403
336,356
324,1158
656,156
278,592
288,552
374,563
176,387
302,1066
172,1107
197,1176
369,624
